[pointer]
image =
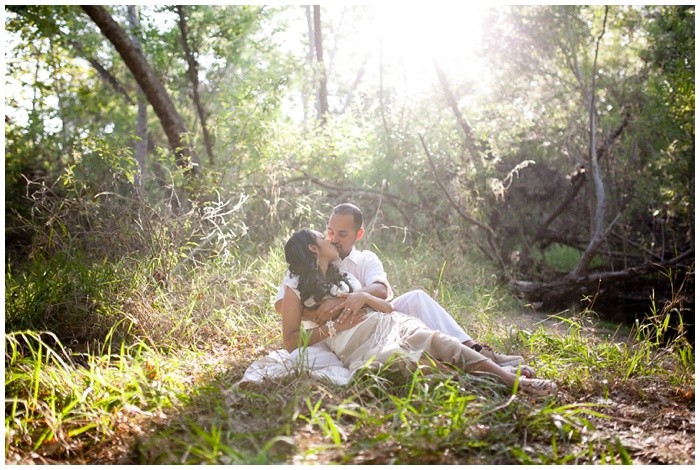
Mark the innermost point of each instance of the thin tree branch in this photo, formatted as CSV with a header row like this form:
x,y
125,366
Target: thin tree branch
x,y
358,78
104,73
468,142
323,79
492,252
192,73
141,145
451,200
578,183
101,70
398,202
573,192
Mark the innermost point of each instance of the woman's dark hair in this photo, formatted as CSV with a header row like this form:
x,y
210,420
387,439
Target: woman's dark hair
x,y
303,263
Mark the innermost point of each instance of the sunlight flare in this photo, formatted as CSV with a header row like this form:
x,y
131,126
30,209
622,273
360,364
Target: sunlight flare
x,y
449,34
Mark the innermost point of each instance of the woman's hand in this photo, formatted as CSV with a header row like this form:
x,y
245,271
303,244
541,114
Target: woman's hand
x,y
354,302
326,311
351,306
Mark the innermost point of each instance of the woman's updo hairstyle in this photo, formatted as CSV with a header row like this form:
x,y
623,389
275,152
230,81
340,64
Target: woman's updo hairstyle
x,y
304,264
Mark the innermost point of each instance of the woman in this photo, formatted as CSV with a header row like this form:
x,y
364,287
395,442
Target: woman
x,y
383,334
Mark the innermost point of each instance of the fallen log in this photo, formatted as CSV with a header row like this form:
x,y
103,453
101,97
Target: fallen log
x,y
571,287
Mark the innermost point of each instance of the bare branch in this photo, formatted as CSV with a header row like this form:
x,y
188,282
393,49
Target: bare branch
x,y
578,182
353,87
492,251
577,185
104,73
323,91
447,193
141,144
563,287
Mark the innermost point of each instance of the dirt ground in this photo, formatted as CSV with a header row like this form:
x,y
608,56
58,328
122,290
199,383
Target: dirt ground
x,y
654,420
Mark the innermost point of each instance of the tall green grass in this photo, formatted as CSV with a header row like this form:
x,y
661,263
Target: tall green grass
x,y
58,404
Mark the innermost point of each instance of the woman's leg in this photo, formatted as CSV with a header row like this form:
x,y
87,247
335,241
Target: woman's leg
x,y
535,386
488,366
448,350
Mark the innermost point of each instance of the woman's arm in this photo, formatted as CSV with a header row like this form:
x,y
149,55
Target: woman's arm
x,y
292,311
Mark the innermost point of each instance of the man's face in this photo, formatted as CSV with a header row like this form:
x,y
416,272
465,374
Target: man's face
x,y
342,233
326,251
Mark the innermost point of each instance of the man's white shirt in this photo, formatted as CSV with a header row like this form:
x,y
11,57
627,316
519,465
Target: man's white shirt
x,y
364,265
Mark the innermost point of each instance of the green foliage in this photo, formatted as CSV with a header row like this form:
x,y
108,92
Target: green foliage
x,y
598,357
671,107
564,258
131,312
94,245
369,150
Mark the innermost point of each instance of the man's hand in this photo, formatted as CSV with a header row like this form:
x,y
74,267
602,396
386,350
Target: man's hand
x,y
351,307
351,321
326,311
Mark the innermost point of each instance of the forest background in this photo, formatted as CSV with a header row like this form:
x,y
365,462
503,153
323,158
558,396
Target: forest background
x,y
532,159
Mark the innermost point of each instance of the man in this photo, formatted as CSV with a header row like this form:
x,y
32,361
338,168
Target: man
x,y
343,230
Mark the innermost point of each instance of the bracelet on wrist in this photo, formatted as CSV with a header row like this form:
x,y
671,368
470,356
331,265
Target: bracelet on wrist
x,y
331,328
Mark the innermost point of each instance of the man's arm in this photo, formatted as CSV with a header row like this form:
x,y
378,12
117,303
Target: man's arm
x,y
376,289
370,272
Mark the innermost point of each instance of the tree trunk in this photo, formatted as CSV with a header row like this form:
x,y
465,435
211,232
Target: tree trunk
x,y
155,92
141,146
578,178
565,288
598,231
310,25
322,86
192,73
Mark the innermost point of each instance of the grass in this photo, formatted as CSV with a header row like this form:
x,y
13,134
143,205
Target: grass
x,y
137,360
59,406
141,403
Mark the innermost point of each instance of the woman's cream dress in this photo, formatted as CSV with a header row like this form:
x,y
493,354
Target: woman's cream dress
x,y
382,337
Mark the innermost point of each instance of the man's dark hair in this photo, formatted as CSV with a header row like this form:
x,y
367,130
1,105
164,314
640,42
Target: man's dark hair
x,y
349,209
